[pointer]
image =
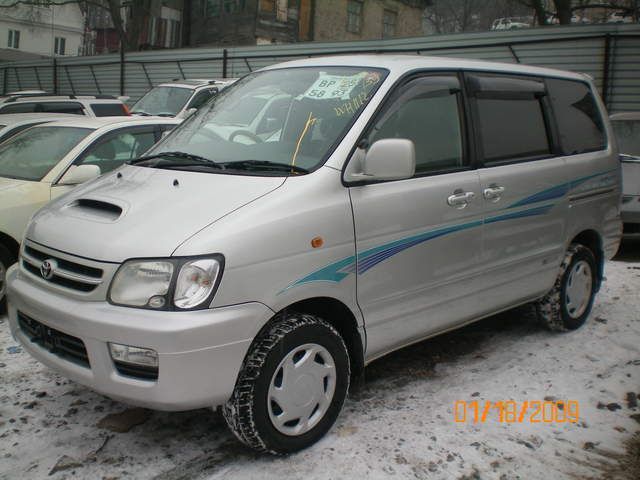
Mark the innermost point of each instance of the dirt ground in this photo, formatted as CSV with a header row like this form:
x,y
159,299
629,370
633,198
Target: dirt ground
x,y
399,423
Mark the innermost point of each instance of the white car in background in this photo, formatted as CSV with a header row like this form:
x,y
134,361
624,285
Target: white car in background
x,y
511,23
627,129
13,124
178,98
88,105
45,161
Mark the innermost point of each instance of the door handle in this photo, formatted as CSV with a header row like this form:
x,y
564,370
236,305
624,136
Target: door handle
x,y
460,199
493,192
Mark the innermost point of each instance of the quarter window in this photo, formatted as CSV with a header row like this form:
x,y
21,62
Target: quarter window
x,y
108,109
426,112
19,108
61,107
577,115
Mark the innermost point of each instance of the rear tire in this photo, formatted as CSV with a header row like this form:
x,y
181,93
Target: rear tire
x,y
6,260
291,387
568,304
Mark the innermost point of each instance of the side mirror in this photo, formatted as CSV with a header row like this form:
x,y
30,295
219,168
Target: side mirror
x,y
78,174
387,159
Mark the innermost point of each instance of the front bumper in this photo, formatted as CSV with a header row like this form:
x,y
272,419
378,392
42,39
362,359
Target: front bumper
x,y
200,352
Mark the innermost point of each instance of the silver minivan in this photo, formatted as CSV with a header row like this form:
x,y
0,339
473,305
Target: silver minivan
x,y
390,199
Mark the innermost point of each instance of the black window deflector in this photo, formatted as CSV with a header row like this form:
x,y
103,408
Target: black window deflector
x,y
423,87
505,87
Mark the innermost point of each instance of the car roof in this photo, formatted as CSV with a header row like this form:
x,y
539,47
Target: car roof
x,y
625,116
399,64
58,98
17,118
99,122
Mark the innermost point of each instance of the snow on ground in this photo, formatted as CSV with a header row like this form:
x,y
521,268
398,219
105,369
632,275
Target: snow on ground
x,y
399,423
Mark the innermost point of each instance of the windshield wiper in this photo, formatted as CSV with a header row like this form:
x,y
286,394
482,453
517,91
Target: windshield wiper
x,y
188,156
141,113
264,165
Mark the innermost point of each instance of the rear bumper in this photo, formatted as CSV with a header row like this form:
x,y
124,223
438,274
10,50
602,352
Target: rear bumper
x,y
200,353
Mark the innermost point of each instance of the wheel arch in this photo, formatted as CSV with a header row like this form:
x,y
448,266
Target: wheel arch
x,y
10,244
593,241
340,317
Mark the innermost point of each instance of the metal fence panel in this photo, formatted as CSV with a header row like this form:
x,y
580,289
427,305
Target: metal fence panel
x,y
610,53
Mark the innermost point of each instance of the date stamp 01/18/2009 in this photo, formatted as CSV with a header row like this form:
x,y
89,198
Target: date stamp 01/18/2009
x,y
510,411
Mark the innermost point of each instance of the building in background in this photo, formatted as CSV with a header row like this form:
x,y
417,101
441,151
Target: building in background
x,y
367,20
251,22
157,24
31,31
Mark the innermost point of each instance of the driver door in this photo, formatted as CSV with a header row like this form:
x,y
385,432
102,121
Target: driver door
x,y
419,240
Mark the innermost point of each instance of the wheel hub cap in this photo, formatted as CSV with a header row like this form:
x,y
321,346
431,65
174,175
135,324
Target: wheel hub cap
x,y
301,389
578,289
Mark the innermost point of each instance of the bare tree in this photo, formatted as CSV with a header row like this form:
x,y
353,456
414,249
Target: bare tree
x,y
450,16
563,10
128,29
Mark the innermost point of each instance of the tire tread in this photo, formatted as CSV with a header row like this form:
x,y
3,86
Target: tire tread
x,y
238,411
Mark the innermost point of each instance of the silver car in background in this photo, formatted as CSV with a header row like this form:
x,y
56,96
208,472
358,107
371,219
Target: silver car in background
x,y
627,129
178,98
389,199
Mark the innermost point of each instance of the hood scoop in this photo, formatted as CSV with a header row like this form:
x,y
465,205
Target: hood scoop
x,y
95,209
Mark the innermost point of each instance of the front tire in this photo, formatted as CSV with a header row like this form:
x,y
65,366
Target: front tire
x,y
291,387
568,304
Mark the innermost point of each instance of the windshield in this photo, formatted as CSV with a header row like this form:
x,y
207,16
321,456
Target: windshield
x,y
290,118
628,136
32,153
162,101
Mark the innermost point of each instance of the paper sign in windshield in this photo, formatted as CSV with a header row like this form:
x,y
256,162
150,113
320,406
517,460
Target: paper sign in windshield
x,y
333,86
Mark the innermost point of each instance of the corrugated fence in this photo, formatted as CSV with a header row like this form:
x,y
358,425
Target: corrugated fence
x,y
610,53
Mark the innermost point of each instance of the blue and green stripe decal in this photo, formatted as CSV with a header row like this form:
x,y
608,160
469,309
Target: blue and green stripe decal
x,y
367,259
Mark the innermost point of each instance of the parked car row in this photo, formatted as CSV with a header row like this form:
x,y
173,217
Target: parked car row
x,y
48,145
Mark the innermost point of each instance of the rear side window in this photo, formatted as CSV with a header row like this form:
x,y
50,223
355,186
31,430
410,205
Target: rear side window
x,y
510,118
19,108
577,115
512,129
73,108
108,109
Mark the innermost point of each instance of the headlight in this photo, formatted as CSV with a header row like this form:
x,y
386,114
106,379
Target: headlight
x,y
167,284
195,283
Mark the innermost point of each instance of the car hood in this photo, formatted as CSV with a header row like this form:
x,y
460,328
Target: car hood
x,y
142,212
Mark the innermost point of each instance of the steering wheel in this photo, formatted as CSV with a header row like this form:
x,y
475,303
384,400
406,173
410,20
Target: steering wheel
x,y
245,133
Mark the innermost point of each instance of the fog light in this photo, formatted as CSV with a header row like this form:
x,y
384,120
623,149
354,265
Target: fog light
x,y
133,355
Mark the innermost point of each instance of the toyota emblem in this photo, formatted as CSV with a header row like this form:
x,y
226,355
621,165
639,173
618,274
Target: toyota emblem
x,y
47,269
